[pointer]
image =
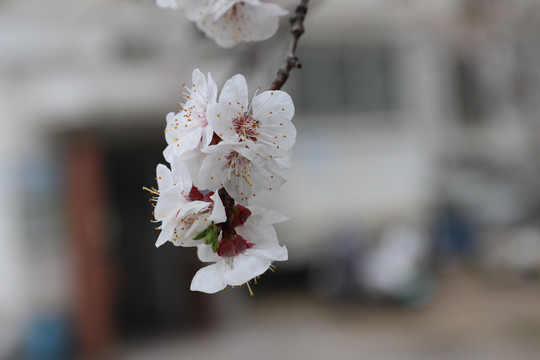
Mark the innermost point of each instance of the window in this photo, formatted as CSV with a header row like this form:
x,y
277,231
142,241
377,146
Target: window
x,y
347,80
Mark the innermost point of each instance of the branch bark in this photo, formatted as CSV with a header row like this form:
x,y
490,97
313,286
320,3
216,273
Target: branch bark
x,y
227,229
291,61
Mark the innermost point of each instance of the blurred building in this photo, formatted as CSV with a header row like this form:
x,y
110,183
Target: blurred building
x,y
403,109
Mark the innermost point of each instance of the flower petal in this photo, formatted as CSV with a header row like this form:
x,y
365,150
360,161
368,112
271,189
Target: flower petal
x,y
261,216
269,251
244,269
259,22
205,253
213,170
235,91
208,280
181,175
164,177
167,229
218,211
258,235
172,4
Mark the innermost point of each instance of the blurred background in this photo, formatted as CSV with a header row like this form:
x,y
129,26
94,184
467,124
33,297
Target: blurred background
x,y
414,195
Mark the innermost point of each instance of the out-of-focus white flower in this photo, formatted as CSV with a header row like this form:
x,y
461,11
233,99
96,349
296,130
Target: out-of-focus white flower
x,y
229,22
189,128
172,4
182,210
257,139
243,258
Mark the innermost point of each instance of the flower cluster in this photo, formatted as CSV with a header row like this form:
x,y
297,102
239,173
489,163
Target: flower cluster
x,y
229,22
222,152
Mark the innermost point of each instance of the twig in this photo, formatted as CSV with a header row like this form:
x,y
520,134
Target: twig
x,y
291,61
227,228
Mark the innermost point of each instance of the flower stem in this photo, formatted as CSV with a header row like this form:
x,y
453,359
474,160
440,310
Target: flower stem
x,y
227,229
291,61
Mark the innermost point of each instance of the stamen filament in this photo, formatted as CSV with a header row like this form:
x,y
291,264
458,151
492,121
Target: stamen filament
x,y
152,191
249,288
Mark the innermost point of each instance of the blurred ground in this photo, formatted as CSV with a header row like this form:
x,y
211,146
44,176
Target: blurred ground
x,y
469,319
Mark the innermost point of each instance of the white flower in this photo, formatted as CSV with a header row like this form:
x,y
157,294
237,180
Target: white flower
x,y
229,22
260,249
189,128
257,140
265,123
172,4
242,171
182,210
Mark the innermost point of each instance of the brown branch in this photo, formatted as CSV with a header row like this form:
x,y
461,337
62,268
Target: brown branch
x,y
291,61
227,228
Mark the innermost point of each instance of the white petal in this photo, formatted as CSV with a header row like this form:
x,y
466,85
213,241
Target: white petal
x,y
208,280
169,116
221,7
168,153
268,251
183,134
258,235
259,22
275,102
274,110
169,202
214,169
164,177
220,118
195,9
212,90
218,212
244,269
172,4
208,134
235,90
222,30
199,81
193,160
205,253
254,153
167,230
181,175
261,216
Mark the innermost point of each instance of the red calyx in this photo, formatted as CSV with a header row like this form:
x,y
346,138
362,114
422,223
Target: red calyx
x,y
240,215
215,139
207,197
195,195
233,248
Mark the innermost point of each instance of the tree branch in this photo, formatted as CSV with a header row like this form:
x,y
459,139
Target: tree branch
x,y
227,227
291,61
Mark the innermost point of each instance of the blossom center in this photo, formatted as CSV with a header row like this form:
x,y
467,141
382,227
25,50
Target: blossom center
x,y
196,113
190,219
246,127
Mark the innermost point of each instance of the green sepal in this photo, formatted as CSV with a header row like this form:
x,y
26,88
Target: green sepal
x,y
211,235
202,234
215,246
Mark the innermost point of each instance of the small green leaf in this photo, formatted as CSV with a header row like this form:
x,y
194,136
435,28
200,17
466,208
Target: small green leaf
x,y
211,235
202,234
215,246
